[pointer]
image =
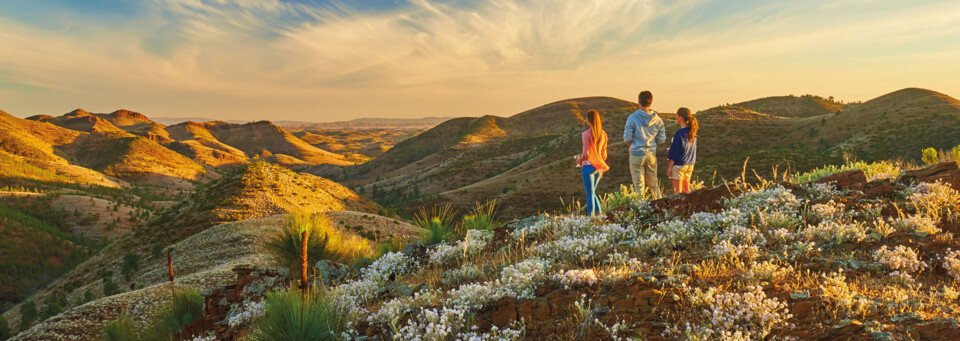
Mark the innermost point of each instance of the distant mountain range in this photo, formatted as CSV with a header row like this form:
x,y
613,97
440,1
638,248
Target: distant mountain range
x,y
360,123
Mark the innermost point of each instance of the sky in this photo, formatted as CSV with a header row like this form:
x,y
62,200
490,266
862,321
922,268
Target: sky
x,y
322,60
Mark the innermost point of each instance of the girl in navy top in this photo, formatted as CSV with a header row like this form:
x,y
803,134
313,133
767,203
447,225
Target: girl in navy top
x,y
683,151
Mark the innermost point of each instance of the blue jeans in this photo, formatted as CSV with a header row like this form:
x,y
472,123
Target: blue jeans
x,y
591,178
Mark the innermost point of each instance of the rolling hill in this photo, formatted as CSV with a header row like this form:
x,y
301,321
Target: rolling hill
x,y
524,160
244,193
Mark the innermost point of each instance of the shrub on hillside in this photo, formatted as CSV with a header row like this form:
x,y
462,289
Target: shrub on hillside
x,y
483,217
956,153
438,224
287,318
929,156
110,287
131,263
186,307
4,328
323,242
121,329
54,305
28,312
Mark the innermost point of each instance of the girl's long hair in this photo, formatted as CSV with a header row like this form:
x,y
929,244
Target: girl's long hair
x,y
596,127
691,123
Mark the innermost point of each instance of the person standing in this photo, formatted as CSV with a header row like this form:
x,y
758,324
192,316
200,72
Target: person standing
x,y
683,151
593,159
644,129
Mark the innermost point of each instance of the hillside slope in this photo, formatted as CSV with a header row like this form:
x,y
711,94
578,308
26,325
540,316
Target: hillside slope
x,y
251,191
256,137
793,106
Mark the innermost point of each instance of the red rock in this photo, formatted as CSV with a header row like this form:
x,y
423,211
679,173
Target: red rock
x,y
506,312
851,179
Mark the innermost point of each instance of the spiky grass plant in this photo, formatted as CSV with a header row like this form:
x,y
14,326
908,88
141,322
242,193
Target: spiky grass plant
x,y
288,318
483,217
438,223
392,245
186,307
323,242
121,329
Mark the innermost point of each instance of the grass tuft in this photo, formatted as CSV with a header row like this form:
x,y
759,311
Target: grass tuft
x,y
121,329
483,217
323,242
438,222
287,318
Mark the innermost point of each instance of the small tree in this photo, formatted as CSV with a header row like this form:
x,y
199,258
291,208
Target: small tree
x,y
131,263
4,328
28,312
956,153
110,287
929,156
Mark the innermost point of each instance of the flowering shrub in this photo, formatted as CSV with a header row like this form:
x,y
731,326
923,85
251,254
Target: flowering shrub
x,y
451,324
474,242
900,258
768,271
779,220
204,338
703,222
391,311
742,235
835,232
951,263
393,263
577,277
829,211
843,298
433,324
522,278
249,313
932,196
462,275
820,191
475,295
725,249
574,250
733,316
915,224
768,200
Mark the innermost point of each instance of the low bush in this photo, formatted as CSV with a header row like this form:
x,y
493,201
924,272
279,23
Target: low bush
x,y
121,329
4,328
131,263
929,156
28,312
287,318
186,307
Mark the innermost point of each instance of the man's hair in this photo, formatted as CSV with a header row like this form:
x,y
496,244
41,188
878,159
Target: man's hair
x,y
646,98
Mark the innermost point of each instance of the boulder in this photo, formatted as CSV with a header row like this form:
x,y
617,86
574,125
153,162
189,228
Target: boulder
x,y
331,272
851,179
946,172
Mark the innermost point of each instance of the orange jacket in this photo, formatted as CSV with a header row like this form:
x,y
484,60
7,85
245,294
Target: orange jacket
x,y
595,154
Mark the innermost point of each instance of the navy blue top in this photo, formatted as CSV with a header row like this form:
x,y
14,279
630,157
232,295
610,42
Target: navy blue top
x,y
682,151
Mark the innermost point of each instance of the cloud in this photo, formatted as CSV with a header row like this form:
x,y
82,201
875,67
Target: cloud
x,y
427,57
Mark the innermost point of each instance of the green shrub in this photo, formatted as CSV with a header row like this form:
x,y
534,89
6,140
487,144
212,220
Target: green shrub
x,y
323,242
54,305
121,329
626,196
929,156
131,263
4,328
110,287
392,245
956,153
157,250
28,312
186,307
288,319
438,224
483,217
873,171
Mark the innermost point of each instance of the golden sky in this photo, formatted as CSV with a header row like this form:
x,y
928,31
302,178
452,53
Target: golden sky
x,y
325,61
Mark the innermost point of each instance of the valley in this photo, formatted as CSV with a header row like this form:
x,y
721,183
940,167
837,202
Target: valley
x,y
105,197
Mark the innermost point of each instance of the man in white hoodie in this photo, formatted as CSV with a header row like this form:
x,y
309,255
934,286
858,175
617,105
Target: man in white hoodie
x,y
643,131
